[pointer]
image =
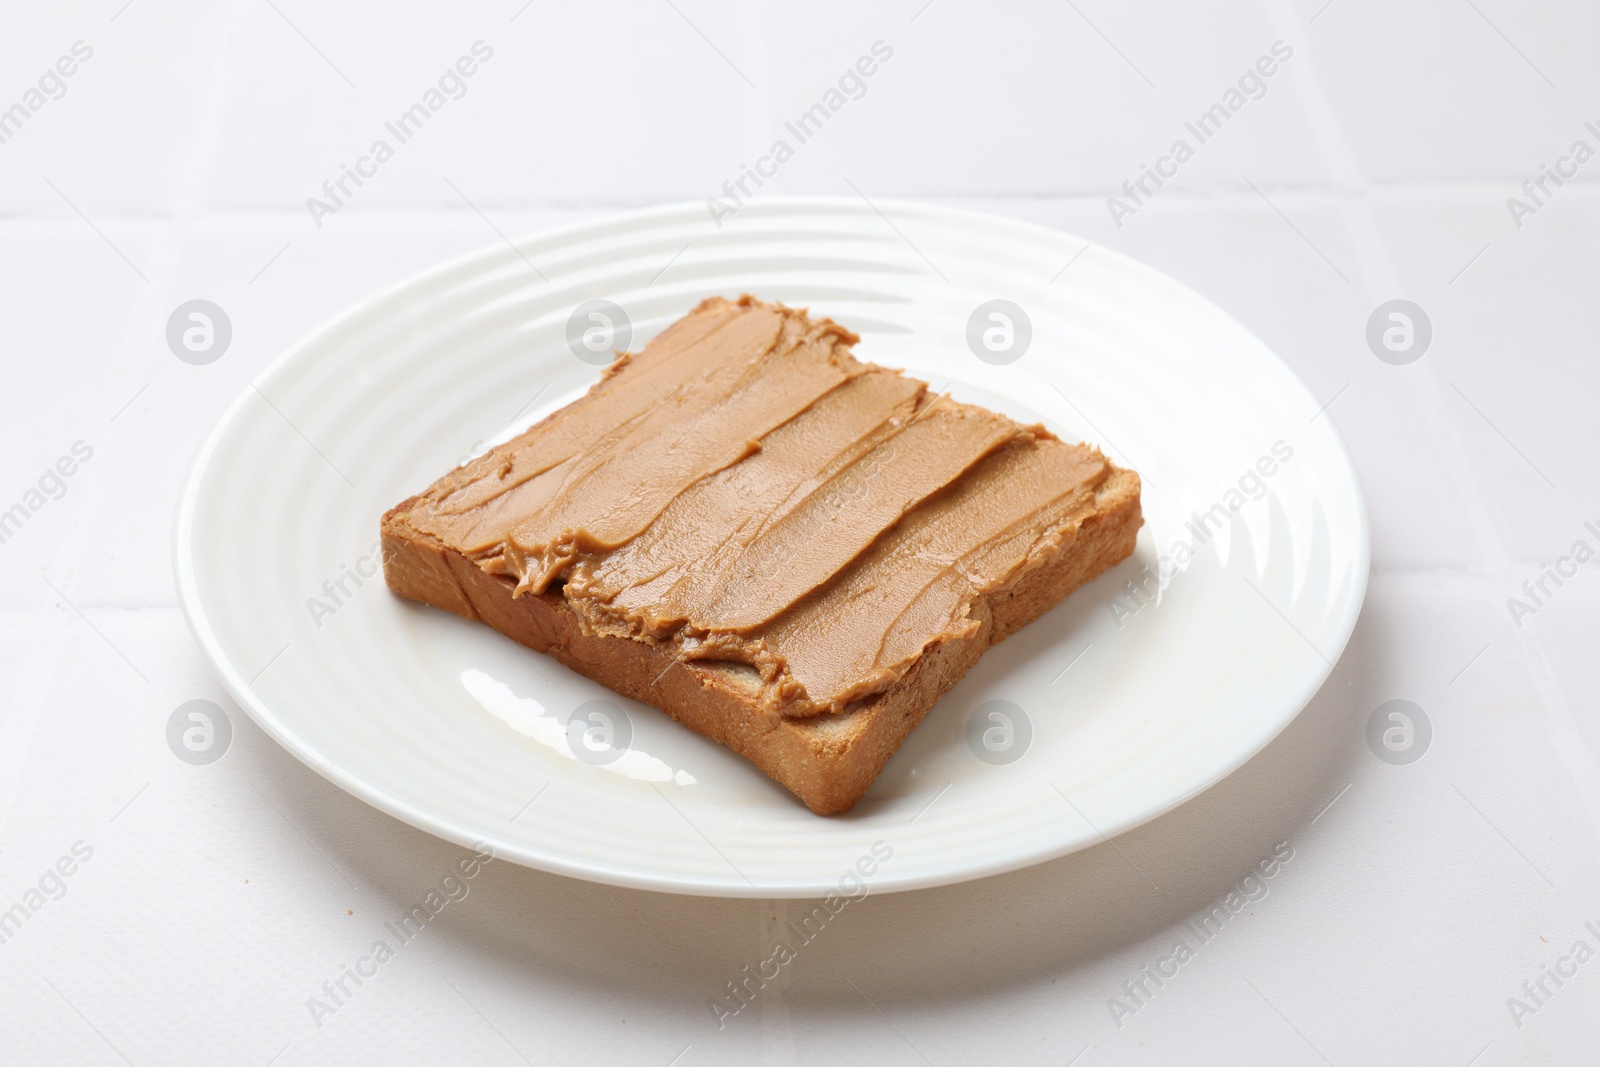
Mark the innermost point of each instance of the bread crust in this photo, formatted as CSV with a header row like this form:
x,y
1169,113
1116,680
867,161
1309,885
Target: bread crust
x,y
828,761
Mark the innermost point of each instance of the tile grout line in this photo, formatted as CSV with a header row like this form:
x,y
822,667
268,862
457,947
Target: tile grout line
x,y
1375,264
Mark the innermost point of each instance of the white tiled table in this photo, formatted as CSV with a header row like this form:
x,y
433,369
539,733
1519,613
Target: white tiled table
x,y
1377,164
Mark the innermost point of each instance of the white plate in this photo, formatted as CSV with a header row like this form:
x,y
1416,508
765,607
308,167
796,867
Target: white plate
x,y
452,728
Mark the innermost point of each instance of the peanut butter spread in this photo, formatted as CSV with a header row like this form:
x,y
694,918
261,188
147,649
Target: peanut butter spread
x,y
745,490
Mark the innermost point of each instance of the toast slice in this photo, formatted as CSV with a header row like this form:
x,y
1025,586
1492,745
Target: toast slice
x,y
792,552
